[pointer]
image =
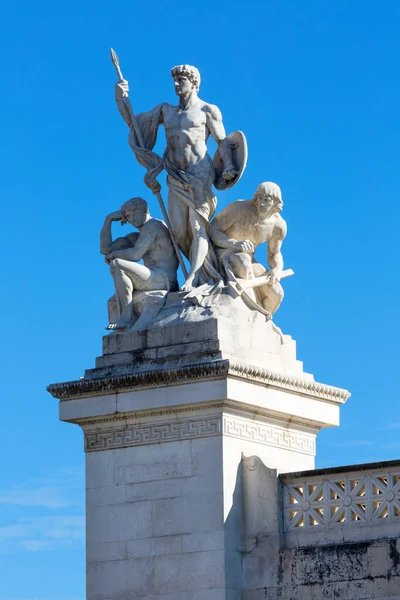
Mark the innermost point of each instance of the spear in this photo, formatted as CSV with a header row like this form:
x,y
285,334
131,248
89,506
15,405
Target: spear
x,y
139,138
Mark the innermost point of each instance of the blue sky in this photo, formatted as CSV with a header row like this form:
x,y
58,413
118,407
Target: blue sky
x,y
315,87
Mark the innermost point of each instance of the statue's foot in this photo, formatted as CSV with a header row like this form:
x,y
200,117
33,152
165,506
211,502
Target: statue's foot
x,y
190,284
120,325
187,287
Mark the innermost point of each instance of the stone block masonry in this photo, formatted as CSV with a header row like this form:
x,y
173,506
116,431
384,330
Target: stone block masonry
x,y
155,525
200,485
166,504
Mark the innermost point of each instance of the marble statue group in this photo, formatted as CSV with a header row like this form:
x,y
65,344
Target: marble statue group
x,y
219,248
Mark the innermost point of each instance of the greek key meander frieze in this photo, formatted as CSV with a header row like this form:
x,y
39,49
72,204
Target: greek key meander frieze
x,y
269,435
349,500
138,435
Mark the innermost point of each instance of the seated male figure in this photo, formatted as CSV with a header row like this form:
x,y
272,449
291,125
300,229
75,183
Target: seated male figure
x,y
152,245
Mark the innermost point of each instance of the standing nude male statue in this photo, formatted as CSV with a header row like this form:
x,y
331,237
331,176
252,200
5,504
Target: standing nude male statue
x,y
241,227
152,245
191,174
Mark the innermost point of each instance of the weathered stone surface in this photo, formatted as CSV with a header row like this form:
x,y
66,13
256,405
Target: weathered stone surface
x,y
183,334
119,522
165,481
168,510
112,579
359,571
179,479
169,414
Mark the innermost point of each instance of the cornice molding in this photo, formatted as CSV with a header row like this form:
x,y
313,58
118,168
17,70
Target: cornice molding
x,y
136,380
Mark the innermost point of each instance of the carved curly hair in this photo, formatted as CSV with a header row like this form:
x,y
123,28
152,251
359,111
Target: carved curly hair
x,y
188,71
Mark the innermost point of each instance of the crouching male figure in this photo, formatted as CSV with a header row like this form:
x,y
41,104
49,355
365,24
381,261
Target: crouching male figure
x,y
152,245
241,227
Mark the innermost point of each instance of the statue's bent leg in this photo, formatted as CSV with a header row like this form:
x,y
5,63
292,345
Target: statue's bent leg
x,y
241,264
112,308
269,296
141,278
273,296
123,291
128,277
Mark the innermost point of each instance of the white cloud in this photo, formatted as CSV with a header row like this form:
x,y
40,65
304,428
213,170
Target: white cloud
x,y
47,497
52,531
33,545
13,532
30,533
43,533
61,489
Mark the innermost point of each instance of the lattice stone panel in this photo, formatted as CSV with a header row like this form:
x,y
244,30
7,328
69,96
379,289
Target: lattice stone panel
x,y
347,500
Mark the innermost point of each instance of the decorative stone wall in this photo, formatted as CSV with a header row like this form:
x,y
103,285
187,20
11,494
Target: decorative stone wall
x,y
336,505
336,535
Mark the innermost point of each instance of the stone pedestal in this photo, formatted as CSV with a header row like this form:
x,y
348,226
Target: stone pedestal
x,y
168,416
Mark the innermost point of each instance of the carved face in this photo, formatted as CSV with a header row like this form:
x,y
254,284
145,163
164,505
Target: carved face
x,y
183,85
264,203
135,214
267,204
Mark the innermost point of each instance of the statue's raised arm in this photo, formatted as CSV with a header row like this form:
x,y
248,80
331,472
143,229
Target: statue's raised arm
x,y
121,91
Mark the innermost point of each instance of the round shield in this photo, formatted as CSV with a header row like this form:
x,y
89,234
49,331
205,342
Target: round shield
x,y
238,144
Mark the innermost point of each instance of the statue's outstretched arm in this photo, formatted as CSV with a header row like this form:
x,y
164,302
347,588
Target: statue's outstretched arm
x,y
121,92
